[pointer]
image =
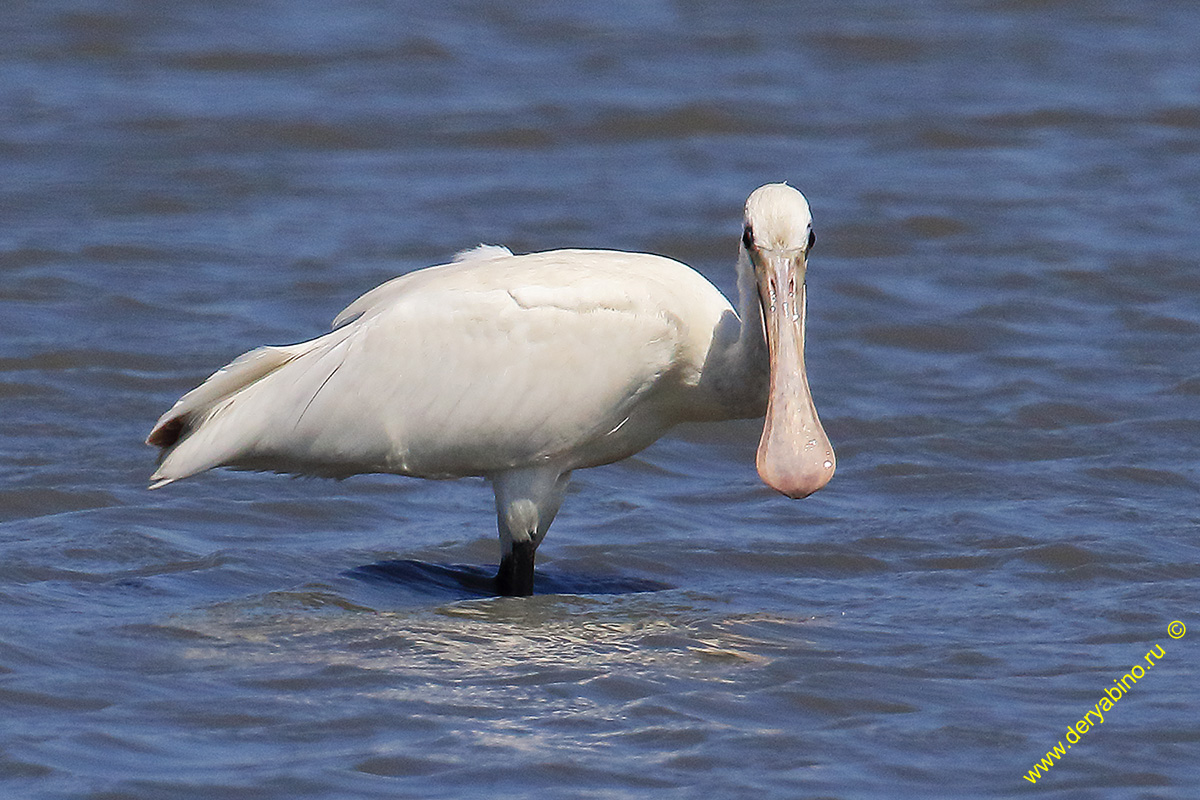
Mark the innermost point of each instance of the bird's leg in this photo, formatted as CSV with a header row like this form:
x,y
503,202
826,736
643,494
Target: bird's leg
x,y
518,546
526,502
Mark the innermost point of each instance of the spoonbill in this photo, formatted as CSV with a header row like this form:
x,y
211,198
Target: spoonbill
x,y
522,368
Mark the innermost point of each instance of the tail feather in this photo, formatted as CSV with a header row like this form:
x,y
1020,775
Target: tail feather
x,y
191,411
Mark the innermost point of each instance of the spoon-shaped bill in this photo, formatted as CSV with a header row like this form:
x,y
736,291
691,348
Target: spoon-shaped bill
x,y
794,454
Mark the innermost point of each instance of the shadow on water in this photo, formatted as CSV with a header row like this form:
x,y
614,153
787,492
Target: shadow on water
x,y
468,581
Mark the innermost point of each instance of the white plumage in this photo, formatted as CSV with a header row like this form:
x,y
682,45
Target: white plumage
x,y
520,369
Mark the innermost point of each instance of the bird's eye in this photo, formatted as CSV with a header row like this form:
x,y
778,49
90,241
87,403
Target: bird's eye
x,y
748,238
812,239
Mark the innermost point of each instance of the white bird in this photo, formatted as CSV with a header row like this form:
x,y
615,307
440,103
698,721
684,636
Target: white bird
x,y
523,368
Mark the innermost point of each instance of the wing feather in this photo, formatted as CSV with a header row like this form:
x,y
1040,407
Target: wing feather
x,y
466,369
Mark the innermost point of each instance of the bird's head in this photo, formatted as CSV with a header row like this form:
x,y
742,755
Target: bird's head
x,y
777,220
794,454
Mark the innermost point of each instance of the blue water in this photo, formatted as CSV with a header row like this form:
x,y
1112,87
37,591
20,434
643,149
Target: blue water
x,y
1004,345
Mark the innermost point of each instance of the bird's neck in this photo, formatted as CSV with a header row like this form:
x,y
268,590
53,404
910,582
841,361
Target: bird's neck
x,y
752,342
741,368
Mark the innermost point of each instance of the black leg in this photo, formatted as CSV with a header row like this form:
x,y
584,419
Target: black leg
x,y
515,578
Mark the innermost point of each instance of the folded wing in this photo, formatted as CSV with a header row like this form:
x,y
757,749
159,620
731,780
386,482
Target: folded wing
x,y
465,369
